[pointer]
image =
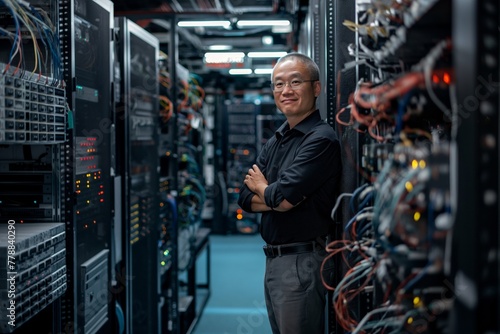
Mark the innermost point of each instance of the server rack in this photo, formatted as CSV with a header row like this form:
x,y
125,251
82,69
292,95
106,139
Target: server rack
x,y
181,195
86,45
325,40
137,168
420,47
186,135
241,153
219,223
63,155
169,185
33,118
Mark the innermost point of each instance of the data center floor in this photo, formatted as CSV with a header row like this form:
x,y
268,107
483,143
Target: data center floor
x,y
236,304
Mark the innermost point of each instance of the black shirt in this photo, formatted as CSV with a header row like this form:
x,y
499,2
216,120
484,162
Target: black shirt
x,y
298,163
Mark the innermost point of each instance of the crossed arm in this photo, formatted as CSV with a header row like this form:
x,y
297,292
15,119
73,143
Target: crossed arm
x,y
257,183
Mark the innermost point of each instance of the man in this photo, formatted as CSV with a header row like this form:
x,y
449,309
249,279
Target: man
x,y
294,184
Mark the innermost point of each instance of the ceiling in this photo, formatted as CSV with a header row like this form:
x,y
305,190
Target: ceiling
x,y
156,15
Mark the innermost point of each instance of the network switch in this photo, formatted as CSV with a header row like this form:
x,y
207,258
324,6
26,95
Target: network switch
x,y
32,270
32,108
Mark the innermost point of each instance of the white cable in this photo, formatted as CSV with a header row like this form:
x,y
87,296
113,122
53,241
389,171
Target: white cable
x,y
365,192
372,312
337,203
366,50
364,265
368,215
8,33
25,3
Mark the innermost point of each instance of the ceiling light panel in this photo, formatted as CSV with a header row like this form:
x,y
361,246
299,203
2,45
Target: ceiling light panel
x,y
266,54
262,23
220,47
240,71
263,71
224,57
224,24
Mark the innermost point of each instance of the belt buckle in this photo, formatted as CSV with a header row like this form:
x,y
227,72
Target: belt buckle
x,y
269,250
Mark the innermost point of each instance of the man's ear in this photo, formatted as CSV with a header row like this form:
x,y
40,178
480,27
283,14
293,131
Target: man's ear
x,y
317,88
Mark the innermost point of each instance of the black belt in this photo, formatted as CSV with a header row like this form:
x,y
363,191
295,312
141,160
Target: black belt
x,y
289,249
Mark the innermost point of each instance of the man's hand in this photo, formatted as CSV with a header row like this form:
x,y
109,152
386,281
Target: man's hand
x,y
256,181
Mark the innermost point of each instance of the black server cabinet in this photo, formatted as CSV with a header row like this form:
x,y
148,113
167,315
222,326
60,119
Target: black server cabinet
x,y
33,121
137,118
476,270
86,44
241,154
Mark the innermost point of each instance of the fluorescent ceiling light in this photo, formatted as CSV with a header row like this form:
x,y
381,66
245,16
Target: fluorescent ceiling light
x,y
261,23
281,29
263,71
225,54
224,57
240,71
224,23
266,54
220,47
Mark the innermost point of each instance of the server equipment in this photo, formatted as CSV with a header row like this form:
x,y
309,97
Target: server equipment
x,y
33,122
33,109
32,271
86,46
137,121
398,130
241,154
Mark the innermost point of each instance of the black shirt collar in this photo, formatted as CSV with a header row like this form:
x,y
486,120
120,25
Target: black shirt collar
x,y
304,126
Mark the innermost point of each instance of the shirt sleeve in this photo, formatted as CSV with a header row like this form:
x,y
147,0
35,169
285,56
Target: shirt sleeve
x,y
245,199
310,169
245,196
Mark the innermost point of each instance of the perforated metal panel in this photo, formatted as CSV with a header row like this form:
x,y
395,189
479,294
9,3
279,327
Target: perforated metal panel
x,y
476,48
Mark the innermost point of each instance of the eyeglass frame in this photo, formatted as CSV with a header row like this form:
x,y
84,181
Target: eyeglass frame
x,y
289,84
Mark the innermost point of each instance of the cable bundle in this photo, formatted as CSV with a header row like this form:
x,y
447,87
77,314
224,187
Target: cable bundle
x,y
36,24
394,247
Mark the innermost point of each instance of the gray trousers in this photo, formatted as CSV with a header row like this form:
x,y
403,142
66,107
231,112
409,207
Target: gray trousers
x,y
295,295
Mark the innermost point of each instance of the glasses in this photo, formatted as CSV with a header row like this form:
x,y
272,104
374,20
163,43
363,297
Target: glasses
x,y
279,86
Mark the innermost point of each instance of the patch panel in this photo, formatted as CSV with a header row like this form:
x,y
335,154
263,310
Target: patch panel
x,y
32,109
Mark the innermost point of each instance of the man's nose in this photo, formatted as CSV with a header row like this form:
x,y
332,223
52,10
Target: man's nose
x,y
288,86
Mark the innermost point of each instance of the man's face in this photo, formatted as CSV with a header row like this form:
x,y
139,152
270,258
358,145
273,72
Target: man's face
x,y
299,101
